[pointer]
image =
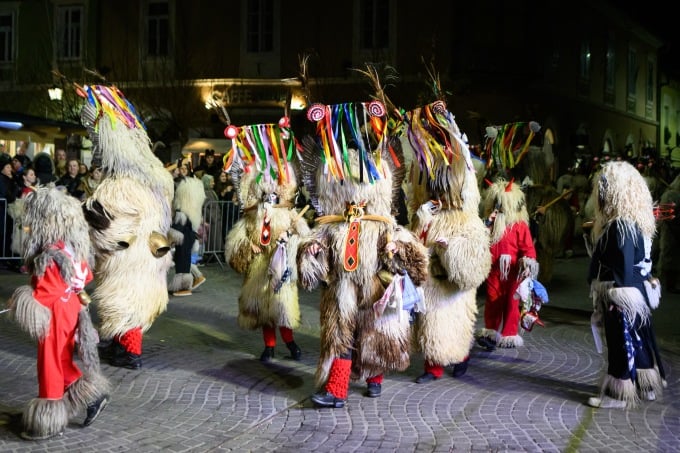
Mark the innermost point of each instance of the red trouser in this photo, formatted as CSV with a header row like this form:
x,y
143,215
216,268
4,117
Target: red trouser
x,y
501,308
56,368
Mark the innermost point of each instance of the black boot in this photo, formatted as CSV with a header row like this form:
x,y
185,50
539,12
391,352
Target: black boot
x,y
425,377
459,369
295,351
374,390
127,360
327,399
267,355
487,343
94,409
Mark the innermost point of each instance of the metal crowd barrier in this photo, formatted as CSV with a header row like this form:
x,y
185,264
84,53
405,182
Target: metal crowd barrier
x,y
6,231
219,216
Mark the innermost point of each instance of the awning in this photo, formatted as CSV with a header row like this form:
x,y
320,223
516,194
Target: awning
x,y
21,127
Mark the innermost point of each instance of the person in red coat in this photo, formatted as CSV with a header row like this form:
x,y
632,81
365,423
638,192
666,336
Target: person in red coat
x,y
53,310
513,258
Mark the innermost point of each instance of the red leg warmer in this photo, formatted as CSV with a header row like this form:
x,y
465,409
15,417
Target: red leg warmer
x,y
436,370
286,334
377,379
131,340
269,335
338,379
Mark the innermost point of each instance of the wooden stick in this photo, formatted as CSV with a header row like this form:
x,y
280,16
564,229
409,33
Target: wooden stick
x,y
555,200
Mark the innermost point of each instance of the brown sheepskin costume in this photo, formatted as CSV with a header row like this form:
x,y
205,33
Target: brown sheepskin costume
x,y
263,244
354,242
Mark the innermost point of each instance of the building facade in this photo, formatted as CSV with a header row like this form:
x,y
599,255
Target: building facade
x,y
587,73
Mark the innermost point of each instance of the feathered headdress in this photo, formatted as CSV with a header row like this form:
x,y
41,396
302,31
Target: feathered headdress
x,y
263,155
506,145
441,153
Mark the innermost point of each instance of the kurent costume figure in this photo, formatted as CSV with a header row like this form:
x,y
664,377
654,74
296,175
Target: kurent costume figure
x,y
188,206
53,310
445,198
263,244
353,171
622,288
513,258
129,216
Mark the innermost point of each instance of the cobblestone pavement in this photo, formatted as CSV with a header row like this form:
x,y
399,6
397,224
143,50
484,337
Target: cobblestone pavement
x,y
203,389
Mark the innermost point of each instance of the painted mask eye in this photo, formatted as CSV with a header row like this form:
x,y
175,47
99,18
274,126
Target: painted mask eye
x,y
231,131
316,112
376,108
439,107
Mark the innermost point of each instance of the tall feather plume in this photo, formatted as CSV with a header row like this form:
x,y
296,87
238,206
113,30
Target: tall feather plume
x,y
388,75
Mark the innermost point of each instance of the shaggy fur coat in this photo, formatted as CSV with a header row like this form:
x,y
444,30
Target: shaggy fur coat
x,y
348,320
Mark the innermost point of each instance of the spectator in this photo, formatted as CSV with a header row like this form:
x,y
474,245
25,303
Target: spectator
x,y
60,162
8,194
224,189
44,168
71,180
82,170
90,182
212,217
209,165
21,153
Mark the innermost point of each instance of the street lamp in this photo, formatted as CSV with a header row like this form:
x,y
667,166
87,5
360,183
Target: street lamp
x,y
55,93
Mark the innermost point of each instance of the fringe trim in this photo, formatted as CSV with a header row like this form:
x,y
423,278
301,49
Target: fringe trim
x,y
631,302
180,282
489,333
621,389
511,341
43,417
649,379
530,264
504,262
31,315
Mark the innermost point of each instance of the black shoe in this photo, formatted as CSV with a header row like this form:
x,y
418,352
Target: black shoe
x,y
127,360
267,355
426,377
373,390
459,369
487,343
295,351
327,399
94,409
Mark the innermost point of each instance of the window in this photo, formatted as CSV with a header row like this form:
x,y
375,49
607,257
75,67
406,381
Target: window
x,y
374,22
585,60
651,81
69,32
610,68
632,74
158,29
260,26
6,37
